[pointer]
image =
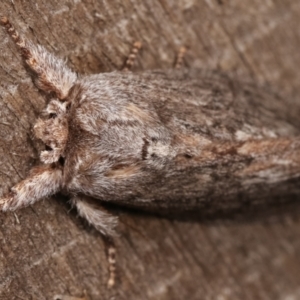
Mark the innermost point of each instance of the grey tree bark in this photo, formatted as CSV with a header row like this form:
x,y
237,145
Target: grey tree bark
x,y
45,250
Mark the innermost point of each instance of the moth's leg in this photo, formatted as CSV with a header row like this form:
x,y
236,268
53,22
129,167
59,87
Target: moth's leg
x,y
111,255
52,73
42,181
95,215
103,222
180,57
65,297
132,56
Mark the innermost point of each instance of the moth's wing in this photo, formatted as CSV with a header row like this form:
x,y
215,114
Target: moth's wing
x,y
164,137
210,102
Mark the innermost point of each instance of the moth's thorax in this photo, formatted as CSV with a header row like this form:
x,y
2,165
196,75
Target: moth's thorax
x,y
52,129
113,137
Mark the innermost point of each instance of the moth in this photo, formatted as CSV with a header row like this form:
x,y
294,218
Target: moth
x,y
181,140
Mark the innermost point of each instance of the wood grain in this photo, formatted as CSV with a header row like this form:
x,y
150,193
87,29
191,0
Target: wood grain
x,y
45,250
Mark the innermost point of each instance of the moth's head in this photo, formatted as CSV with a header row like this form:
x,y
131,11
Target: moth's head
x,y
52,129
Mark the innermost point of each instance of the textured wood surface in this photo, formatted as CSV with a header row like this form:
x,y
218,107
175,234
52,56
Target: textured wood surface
x,y
45,250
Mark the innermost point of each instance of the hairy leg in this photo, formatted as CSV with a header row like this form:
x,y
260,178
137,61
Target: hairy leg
x,y
52,73
103,222
95,215
42,181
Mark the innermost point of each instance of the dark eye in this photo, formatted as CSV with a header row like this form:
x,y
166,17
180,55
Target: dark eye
x,y
52,116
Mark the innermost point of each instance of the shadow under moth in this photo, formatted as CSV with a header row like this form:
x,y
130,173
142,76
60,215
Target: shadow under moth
x,y
179,139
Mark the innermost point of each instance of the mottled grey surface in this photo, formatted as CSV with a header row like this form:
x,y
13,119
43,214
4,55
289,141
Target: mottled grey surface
x,y
45,250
